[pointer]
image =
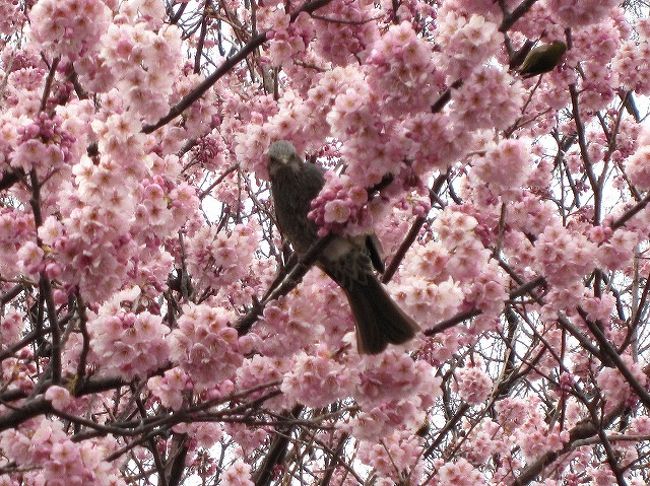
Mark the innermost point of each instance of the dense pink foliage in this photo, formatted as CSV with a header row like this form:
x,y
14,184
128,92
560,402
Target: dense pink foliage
x,y
152,328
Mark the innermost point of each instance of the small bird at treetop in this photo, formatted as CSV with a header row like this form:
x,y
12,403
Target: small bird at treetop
x,y
348,260
542,59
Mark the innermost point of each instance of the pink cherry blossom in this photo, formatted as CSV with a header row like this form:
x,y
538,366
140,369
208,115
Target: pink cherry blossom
x,y
315,381
59,396
461,473
205,346
156,325
238,474
474,385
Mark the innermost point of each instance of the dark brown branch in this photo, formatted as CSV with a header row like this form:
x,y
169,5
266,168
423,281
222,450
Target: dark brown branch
x,y
410,236
277,451
218,181
26,411
48,83
10,177
452,321
293,277
201,42
611,353
403,248
11,294
584,153
631,212
509,20
333,461
225,67
85,346
582,430
445,97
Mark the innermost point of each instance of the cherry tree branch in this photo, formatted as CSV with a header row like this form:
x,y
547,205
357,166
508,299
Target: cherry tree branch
x,y
292,279
225,67
584,153
583,430
510,19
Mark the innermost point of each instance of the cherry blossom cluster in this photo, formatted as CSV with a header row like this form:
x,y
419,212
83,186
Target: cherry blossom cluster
x,y
637,165
474,110
10,16
615,249
401,67
162,207
59,397
487,439
23,95
11,326
397,408
42,145
170,387
316,380
436,141
127,343
17,371
42,445
375,423
93,241
486,292
615,388
341,43
201,117
474,385
504,166
209,152
246,437
290,324
200,435
528,214
139,58
468,42
396,455
259,371
458,232
88,253
218,259
367,147
536,438
442,346
70,28
426,301
15,228
581,13
393,375
486,8
339,204
286,39
564,255
238,474
205,346
461,473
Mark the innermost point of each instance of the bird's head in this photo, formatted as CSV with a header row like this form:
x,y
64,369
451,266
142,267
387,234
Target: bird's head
x,y
282,154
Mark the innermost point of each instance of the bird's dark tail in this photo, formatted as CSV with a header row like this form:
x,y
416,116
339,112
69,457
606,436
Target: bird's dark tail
x,y
379,319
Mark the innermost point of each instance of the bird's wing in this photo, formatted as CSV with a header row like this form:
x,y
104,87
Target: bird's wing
x,y
376,252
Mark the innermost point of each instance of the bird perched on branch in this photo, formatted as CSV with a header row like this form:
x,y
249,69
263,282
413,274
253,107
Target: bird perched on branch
x,y
542,59
347,260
